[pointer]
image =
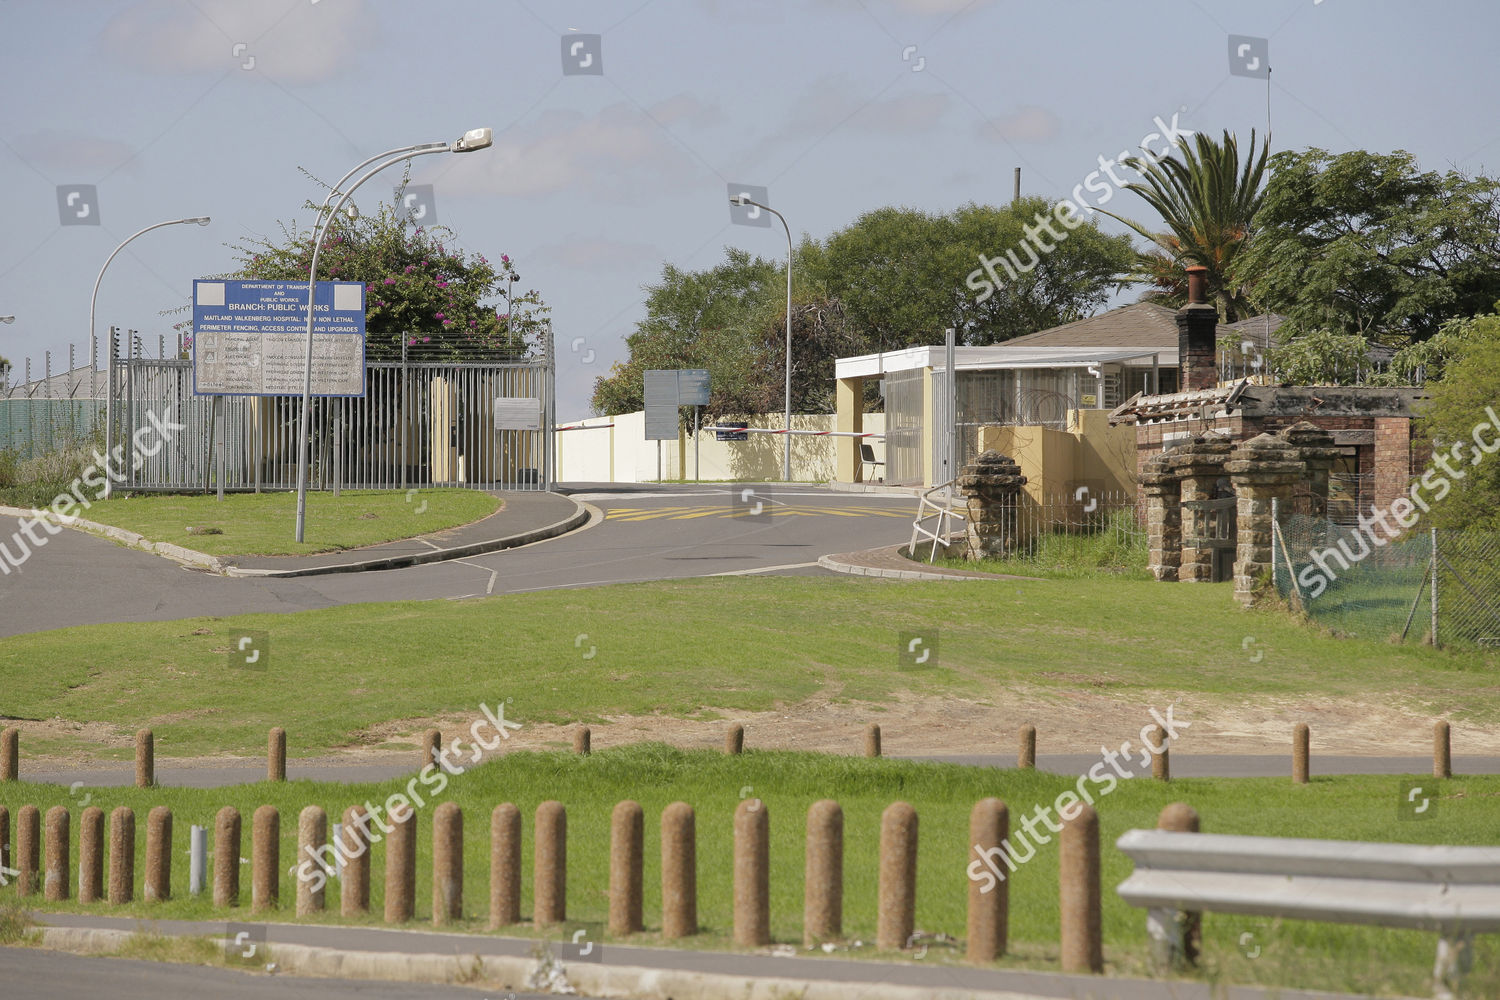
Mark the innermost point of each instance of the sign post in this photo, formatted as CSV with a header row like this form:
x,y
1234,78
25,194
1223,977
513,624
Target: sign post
x,y
249,340
666,389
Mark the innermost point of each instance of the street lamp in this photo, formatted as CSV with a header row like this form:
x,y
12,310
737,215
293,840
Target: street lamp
x,y
7,319
471,141
743,201
109,412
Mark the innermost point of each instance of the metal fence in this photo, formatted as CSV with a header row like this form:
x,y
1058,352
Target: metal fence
x,y
1435,585
1062,518
420,423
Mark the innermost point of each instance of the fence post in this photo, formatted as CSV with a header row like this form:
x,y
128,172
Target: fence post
x,y
276,755
197,858
1301,739
312,837
401,866
734,740
1434,536
583,740
679,872
1161,765
10,754
145,759
872,740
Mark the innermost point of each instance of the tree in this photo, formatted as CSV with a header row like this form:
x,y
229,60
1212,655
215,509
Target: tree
x,y
419,285
1366,244
1465,397
1323,358
1209,201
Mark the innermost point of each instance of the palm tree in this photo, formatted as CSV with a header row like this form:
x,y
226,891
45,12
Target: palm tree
x,y
1208,201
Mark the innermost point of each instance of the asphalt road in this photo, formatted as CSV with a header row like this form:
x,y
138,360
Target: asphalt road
x,y
31,974
645,533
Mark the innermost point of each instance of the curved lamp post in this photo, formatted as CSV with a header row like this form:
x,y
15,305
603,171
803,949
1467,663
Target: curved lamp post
x,y
109,413
786,462
470,141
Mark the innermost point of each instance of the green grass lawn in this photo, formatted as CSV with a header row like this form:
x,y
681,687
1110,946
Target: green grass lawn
x,y
263,523
1288,953
686,648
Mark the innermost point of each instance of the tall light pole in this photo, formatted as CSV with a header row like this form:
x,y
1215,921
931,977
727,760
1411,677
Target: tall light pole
x,y
109,412
470,141
786,462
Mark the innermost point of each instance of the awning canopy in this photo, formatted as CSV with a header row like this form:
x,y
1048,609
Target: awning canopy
x,y
998,357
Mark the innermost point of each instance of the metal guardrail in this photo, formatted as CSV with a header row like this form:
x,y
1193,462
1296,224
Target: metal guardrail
x,y
943,513
1452,890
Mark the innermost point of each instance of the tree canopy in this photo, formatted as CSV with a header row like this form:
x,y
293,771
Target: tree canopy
x,y
419,285
1361,243
1465,396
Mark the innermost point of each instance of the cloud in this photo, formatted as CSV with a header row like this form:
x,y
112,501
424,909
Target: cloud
x,y
596,255
297,45
85,155
1026,124
616,152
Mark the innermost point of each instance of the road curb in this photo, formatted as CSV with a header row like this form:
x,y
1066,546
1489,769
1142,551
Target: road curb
x,y
212,564
576,519
847,562
513,973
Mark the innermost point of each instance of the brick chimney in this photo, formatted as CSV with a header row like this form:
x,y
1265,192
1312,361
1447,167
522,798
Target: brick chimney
x,y
1197,335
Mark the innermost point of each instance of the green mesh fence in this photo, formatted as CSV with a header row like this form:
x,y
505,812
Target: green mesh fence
x,y
1428,586
32,427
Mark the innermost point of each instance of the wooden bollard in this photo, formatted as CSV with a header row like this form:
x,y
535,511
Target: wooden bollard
x,y
57,881
752,874
158,885
28,849
226,858
312,842
823,879
90,854
627,846
10,754
897,901
122,856
447,864
431,749
145,759
1300,742
354,887
872,740
583,739
1183,818
1161,765
1442,758
989,911
276,755
734,740
1079,900
4,837
401,866
1026,756
505,866
550,865
265,859
679,872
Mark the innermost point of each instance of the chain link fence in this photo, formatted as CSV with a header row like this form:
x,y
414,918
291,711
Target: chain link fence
x,y
1436,586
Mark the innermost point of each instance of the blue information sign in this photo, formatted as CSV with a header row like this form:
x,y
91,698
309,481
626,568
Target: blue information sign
x,y
250,338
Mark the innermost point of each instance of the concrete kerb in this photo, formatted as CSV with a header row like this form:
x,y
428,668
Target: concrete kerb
x,y
864,564
513,973
202,561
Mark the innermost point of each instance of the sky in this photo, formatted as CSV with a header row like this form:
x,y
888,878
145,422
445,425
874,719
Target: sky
x,y
614,156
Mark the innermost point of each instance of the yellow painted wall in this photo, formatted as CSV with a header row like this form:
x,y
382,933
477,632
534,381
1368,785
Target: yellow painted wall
x,y
1056,462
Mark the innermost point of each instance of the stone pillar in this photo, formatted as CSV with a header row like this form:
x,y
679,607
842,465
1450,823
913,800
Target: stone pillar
x,y
354,888
897,892
265,859
226,858
401,866
991,487
1163,492
1314,448
1187,941
505,866
989,911
447,864
145,759
432,745
872,740
1301,745
1442,757
158,886
1263,468
679,872
583,741
90,854
823,884
1198,464
276,755
312,837
752,874
734,740
10,753
1080,907
57,881
122,855
627,840
549,890
1026,757
28,849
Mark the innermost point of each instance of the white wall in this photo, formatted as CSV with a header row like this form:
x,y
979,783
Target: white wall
x,y
621,454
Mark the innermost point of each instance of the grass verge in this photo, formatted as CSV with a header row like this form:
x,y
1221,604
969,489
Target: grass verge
x,y
1237,949
261,523
335,677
